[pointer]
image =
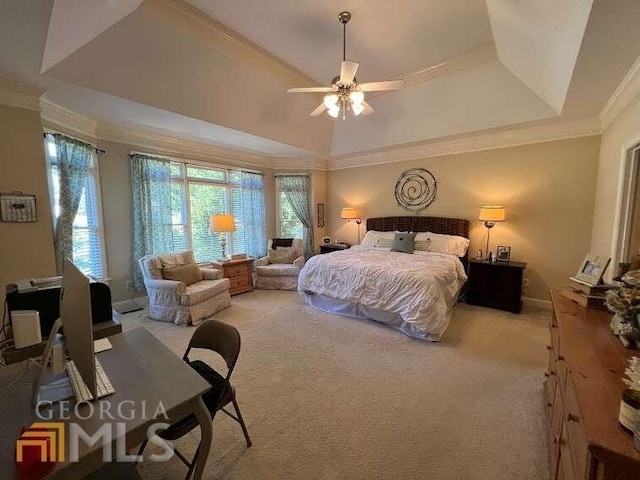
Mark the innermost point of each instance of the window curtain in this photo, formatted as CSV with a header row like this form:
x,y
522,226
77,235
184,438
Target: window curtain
x,y
73,161
296,190
151,204
254,214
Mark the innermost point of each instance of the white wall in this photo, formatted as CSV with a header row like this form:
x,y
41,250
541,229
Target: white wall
x,y
619,137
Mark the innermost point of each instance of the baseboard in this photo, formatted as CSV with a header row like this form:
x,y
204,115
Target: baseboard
x,y
131,305
536,302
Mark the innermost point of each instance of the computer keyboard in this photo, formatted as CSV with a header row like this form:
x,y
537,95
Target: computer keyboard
x,y
80,389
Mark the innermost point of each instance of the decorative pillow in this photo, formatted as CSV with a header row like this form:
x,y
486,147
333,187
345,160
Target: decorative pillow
x,y
422,245
171,260
282,255
403,242
450,244
281,242
187,274
384,242
371,237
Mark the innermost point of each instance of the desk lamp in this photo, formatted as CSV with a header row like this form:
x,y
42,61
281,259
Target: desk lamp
x,y
491,215
222,224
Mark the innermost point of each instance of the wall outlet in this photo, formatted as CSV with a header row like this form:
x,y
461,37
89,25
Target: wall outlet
x,y
129,284
525,282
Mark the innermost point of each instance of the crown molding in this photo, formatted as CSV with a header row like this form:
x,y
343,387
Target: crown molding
x,y
487,140
470,59
57,116
13,94
235,45
297,163
627,92
169,144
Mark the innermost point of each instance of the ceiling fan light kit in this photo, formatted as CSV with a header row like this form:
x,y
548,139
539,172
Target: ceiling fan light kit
x,y
345,97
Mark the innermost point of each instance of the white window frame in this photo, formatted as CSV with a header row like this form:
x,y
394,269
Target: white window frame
x,y
185,180
94,174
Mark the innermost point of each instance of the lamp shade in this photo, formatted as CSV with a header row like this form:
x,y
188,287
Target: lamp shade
x,y
348,213
222,223
492,213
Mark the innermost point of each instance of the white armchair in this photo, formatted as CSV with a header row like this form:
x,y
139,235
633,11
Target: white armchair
x,y
181,292
279,269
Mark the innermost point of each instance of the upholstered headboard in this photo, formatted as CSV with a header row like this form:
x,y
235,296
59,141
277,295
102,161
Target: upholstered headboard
x,y
443,225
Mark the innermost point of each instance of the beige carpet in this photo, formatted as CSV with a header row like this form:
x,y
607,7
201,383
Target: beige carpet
x,y
329,397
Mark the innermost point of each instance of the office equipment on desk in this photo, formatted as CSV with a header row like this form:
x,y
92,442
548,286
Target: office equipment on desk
x,y
75,317
101,345
167,378
26,328
80,389
47,302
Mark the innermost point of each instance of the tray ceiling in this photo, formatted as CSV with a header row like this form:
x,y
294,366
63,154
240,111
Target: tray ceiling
x,y
217,71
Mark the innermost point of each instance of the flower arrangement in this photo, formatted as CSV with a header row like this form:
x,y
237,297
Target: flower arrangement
x,y
625,302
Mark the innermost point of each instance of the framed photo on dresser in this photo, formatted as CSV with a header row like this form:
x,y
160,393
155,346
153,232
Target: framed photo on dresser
x,y
503,253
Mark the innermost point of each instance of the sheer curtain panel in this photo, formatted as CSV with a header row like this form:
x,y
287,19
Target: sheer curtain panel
x,y
151,203
74,159
254,214
296,189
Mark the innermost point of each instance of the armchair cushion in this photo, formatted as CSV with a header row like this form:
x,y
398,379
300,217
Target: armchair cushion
x,y
277,270
281,255
281,242
187,274
211,273
203,290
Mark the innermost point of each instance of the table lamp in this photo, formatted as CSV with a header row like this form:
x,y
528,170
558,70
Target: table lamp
x,y
491,214
221,224
350,213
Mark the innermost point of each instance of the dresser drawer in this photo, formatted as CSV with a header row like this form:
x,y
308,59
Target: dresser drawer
x,y
575,431
237,282
566,457
235,271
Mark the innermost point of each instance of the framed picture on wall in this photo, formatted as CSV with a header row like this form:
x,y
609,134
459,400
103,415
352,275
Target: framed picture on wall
x,y
18,207
321,215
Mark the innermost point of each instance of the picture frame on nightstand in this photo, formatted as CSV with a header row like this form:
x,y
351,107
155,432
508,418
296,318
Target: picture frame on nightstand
x,y
503,253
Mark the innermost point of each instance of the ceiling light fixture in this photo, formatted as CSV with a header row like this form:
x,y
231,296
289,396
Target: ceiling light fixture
x,y
345,97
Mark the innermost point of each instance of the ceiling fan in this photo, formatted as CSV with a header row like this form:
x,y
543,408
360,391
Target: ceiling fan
x,y
345,95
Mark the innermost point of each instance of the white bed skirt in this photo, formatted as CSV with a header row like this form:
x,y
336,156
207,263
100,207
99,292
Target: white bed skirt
x,y
341,307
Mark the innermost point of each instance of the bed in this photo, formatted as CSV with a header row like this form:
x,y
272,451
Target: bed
x,y
414,293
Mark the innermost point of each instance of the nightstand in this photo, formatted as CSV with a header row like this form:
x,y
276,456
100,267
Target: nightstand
x,y
333,247
495,284
239,273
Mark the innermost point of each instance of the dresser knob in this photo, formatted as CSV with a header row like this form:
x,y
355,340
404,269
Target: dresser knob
x,y
546,374
561,358
549,404
548,347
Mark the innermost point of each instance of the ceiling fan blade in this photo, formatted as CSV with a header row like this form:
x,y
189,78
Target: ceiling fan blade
x,y
310,89
367,109
348,72
321,108
379,86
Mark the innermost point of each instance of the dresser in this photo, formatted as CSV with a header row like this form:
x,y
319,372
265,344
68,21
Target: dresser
x,y
495,284
239,273
582,393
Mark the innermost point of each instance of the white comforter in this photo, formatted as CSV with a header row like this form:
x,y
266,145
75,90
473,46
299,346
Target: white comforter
x,y
419,288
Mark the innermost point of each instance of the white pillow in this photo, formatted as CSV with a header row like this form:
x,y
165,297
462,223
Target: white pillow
x,y
422,244
371,237
451,244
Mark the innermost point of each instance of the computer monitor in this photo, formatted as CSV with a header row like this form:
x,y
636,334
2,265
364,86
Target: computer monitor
x,y
75,319
75,313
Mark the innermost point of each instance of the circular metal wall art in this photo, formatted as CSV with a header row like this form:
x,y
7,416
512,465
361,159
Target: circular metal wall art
x,y
416,189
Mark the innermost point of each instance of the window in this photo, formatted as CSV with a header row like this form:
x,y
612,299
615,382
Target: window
x,y
87,238
289,224
196,193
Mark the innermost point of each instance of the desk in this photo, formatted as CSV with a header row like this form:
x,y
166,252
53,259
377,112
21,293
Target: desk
x,y
100,330
140,368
